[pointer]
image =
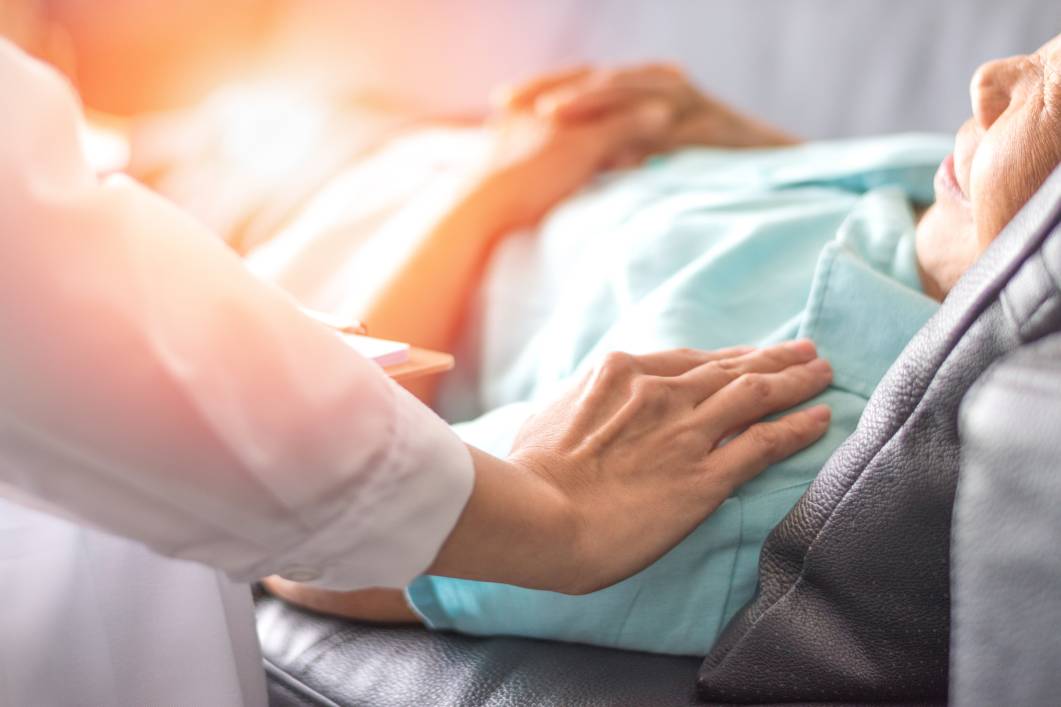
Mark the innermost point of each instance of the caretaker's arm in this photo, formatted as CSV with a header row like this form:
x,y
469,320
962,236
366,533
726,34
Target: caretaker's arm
x,y
152,387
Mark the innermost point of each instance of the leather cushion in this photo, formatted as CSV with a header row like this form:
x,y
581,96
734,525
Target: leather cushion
x,y
1007,524
312,659
854,595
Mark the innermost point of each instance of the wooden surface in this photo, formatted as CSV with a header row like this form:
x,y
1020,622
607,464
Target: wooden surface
x,y
422,362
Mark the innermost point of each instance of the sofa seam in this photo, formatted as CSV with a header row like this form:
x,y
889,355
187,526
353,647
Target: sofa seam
x,y
274,671
983,305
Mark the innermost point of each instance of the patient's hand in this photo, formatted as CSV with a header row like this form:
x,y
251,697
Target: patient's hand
x,y
376,605
535,161
583,95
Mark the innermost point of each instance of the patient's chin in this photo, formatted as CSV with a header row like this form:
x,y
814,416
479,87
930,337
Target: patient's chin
x,y
946,247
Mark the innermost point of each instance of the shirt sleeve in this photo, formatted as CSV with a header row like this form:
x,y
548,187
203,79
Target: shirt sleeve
x,y
150,386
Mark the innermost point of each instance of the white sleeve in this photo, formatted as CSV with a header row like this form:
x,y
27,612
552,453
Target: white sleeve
x,y
152,387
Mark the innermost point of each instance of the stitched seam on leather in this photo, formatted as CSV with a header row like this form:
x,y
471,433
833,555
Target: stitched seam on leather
x,y
982,302
733,566
801,577
322,648
1054,274
1048,299
1007,300
274,671
1030,319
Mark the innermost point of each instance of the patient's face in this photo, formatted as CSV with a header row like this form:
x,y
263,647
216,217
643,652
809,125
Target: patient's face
x,y
1001,157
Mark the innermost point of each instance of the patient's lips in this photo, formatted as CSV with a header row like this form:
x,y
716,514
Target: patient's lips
x,y
946,181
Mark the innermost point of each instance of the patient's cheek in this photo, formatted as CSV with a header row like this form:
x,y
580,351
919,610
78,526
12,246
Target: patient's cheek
x,y
1005,188
946,247
1009,168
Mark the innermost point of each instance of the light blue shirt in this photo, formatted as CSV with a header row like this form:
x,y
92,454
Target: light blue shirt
x,y
707,248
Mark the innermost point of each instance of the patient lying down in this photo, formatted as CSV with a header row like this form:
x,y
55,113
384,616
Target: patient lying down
x,y
709,248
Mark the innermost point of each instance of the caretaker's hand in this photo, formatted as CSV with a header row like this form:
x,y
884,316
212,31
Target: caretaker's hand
x,y
694,118
616,472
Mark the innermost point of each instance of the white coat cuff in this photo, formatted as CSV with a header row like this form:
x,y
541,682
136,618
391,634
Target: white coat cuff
x,y
402,518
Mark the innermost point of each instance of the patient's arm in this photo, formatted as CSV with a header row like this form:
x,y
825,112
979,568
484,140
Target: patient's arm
x,y
550,137
379,605
532,165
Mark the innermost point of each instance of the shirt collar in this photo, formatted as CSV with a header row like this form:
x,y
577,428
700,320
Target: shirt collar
x,y
864,308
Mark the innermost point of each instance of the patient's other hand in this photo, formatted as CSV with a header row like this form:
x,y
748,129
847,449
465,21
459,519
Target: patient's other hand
x,y
576,96
533,161
375,605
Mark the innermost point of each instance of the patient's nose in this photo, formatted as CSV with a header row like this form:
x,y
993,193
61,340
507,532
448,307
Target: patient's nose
x,y
990,90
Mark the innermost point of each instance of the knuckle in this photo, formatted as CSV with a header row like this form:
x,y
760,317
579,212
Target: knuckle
x,y
779,355
688,437
769,440
688,353
664,69
729,365
617,364
755,385
775,359
607,78
649,391
673,69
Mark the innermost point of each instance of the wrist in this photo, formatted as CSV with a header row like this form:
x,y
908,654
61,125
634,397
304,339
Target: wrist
x,y
517,528
489,197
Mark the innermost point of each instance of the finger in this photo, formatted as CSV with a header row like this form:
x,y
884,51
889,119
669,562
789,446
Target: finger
x,y
767,443
523,96
675,362
752,396
704,381
645,124
628,158
588,99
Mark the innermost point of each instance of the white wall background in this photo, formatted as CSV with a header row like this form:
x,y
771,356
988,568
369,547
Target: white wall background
x,y
818,67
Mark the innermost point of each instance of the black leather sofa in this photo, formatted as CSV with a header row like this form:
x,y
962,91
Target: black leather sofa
x,y
971,411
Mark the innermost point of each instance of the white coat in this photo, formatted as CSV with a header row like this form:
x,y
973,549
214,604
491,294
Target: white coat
x,y
179,429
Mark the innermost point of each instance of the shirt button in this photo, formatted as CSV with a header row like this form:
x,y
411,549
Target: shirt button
x,y
300,574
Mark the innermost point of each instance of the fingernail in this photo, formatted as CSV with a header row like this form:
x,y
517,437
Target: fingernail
x,y
820,366
802,346
820,413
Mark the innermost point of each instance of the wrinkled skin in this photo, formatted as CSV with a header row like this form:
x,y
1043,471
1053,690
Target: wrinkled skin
x,y
1001,157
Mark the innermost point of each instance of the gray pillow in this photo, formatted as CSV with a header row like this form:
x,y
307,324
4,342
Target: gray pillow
x,y
1006,570
854,596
